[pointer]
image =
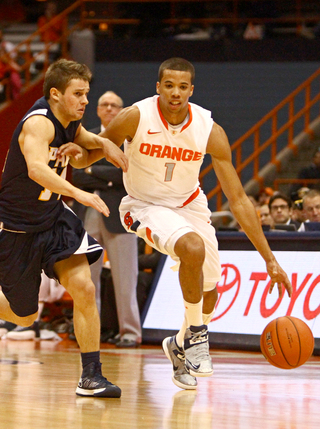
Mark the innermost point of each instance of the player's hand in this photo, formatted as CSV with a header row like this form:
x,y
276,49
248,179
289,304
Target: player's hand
x,y
278,276
72,150
92,200
115,155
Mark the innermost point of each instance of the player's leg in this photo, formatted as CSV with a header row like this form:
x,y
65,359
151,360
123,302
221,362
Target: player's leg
x,y
93,223
198,215
175,353
20,268
74,274
7,314
190,249
210,299
161,228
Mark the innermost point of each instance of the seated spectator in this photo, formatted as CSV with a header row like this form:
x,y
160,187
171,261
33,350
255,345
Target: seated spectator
x,y
264,196
312,171
9,68
311,207
265,217
53,33
298,213
253,200
281,210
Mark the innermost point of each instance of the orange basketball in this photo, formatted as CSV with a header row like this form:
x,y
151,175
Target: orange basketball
x,y
287,342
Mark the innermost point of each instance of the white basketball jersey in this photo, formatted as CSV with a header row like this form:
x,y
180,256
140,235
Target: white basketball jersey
x,y
165,161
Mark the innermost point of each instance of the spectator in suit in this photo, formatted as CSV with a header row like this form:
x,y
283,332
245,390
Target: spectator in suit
x,y
281,210
122,250
265,216
311,207
297,209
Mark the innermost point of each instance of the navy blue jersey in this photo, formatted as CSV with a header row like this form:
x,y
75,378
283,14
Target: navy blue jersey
x,y
24,204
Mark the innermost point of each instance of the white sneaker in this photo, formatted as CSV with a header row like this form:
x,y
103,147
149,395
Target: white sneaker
x,y
181,375
196,348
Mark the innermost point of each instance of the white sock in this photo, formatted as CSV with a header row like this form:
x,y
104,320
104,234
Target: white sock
x,y
180,334
206,318
194,312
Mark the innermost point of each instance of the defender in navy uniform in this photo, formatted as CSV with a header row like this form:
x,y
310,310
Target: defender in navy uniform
x,y
37,230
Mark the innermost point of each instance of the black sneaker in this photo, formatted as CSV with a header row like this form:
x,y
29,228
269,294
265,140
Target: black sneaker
x,y
93,383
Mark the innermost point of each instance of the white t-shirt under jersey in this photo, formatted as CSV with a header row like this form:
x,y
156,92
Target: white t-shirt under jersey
x,y
165,161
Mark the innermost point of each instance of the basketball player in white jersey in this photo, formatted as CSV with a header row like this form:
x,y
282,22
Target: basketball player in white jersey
x,y
166,138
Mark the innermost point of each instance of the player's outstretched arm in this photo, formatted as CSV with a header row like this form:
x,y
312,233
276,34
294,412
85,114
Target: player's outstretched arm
x,y
106,144
103,148
240,205
79,156
123,126
34,140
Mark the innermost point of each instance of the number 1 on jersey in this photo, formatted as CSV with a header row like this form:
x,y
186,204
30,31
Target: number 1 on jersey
x,y
169,171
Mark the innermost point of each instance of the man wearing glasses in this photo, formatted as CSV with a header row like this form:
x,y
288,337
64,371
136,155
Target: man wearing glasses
x,y
106,180
281,210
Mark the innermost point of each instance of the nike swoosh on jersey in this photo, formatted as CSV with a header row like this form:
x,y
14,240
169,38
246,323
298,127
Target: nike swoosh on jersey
x,y
153,132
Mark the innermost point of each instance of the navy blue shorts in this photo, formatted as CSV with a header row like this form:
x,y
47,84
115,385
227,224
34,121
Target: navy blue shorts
x,y
24,256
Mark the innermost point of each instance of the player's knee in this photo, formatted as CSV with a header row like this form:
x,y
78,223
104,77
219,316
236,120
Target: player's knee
x,y
190,248
27,320
83,290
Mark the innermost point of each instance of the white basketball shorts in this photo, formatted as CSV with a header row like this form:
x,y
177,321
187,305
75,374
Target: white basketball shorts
x,y
161,227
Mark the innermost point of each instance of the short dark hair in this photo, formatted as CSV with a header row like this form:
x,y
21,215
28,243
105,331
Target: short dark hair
x,y
282,196
61,72
179,64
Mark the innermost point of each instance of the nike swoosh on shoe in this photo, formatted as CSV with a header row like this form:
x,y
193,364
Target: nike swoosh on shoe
x,y
193,365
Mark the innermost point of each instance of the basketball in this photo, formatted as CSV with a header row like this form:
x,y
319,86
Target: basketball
x,y
287,342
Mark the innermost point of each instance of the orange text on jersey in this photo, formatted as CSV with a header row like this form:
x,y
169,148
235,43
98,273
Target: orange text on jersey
x,y
174,153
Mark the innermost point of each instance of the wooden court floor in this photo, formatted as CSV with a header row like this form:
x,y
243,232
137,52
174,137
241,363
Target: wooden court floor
x,y
38,380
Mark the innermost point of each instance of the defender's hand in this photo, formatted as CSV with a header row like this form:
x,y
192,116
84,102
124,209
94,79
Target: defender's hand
x,y
72,150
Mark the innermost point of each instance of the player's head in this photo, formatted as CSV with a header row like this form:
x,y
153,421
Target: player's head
x,y
61,73
175,87
109,105
178,64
